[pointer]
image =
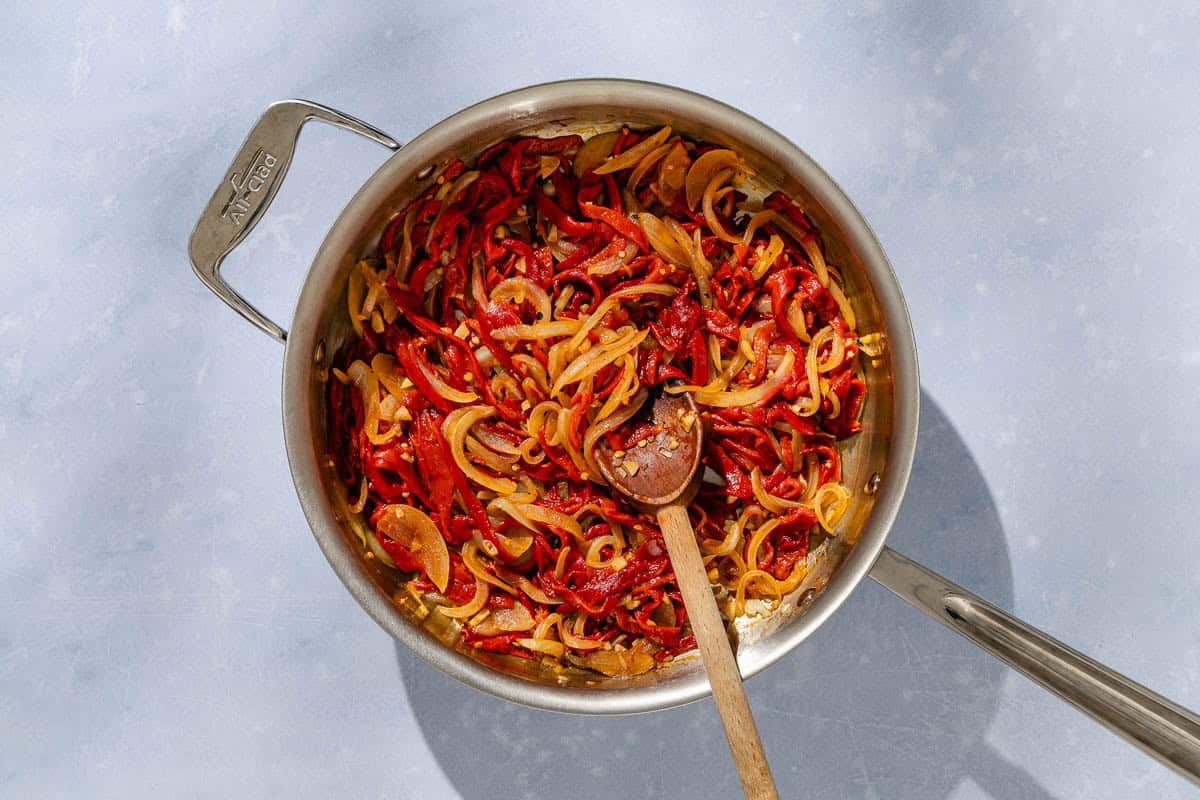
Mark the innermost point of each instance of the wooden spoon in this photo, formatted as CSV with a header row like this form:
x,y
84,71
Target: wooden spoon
x,y
660,475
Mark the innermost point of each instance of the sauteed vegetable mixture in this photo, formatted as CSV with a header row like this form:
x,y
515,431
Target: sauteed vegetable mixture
x,y
517,312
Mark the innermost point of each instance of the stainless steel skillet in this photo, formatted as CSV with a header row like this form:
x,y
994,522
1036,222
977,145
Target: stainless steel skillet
x,y
877,464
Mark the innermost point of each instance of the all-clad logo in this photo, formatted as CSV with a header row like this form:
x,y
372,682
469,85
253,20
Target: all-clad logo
x,y
251,180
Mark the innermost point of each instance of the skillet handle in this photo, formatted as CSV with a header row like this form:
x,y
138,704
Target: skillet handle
x,y
249,186
1161,728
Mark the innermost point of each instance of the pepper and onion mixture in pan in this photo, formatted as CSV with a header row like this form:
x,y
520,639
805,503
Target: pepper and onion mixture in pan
x,y
521,309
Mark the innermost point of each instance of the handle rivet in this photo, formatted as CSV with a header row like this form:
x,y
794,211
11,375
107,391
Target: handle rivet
x,y
319,352
426,172
872,484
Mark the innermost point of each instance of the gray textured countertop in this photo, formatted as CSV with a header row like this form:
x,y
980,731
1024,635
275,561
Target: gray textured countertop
x,y
168,626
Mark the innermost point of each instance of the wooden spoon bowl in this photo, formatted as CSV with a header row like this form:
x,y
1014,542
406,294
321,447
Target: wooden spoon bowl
x,y
658,471
660,467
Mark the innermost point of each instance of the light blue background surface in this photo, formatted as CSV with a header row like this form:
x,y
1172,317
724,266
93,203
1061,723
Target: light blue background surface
x,y
169,628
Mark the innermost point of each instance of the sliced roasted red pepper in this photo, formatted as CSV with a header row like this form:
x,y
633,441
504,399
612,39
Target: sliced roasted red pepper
x,y
435,467
718,322
737,483
407,355
678,321
561,219
698,350
617,221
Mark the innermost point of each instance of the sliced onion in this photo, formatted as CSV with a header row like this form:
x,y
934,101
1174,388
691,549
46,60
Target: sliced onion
x,y
672,174
534,369
830,503
547,647
412,529
612,301
404,261
752,395
531,451
556,520
531,516
515,546
837,349
767,259
441,387
813,250
504,385
664,242
377,296
839,297
538,330
612,263
561,562
455,428
563,297
384,367
560,249
733,537
795,318
478,289
811,477
522,289
364,379
701,268
471,558
571,634
807,406
471,608
626,387
597,359
754,575
500,620
747,336
537,595
593,152
496,442
757,539
544,627
644,166
539,418
835,403
449,198
713,193
776,505
757,221
595,547
488,457
703,170
620,663
372,541
634,154
715,385
557,357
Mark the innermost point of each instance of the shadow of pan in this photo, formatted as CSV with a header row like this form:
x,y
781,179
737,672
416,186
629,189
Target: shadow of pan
x,y
880,702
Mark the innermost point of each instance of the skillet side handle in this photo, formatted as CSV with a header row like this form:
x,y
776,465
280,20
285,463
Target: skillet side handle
x,y
249,187
1161,728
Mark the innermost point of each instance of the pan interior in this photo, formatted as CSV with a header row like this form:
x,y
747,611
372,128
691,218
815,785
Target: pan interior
x,y
876,461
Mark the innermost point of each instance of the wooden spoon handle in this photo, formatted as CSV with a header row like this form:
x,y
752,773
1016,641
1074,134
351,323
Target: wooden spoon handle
x,y
709,629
